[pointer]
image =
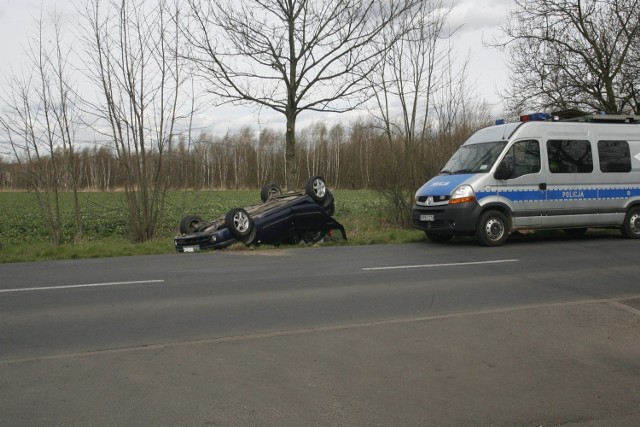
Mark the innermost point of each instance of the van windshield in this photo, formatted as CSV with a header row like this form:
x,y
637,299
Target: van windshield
x,y
474,158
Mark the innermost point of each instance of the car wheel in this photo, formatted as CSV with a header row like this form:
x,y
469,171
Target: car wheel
x,y
575,233
240,224
189,223
631,225
493,228
316,188
438,237
270,191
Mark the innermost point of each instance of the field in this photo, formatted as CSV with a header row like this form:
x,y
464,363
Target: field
x,y
23,236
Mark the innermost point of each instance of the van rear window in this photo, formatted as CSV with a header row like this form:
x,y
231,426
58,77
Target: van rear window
x,y
615,156
569,156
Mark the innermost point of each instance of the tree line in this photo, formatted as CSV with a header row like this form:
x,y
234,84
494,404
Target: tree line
x,y
353,156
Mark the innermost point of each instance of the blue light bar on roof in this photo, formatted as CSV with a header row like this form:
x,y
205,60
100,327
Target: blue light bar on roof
x,y
536,117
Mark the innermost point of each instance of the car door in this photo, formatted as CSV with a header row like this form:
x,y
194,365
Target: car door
x,y
526,187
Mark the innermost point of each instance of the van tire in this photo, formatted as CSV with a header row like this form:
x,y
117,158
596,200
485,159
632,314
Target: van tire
x,y
493,228
631,225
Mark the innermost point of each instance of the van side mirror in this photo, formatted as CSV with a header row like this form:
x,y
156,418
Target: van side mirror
x,y
505,168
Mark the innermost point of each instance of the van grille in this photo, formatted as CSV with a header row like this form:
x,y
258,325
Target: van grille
x,y
436,199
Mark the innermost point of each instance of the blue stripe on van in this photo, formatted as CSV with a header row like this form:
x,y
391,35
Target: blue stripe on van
x,y
515,195
619,193
524,195
566,194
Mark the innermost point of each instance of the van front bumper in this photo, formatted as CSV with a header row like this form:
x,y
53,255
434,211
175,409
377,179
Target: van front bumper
x,y
447,219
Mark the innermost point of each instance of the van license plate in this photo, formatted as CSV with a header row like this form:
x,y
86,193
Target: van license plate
x,y
428,218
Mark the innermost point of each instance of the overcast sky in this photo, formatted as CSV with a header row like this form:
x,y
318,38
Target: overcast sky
x,y
479,19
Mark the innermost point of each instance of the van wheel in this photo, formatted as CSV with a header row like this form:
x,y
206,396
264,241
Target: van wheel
x,y
437,237
492,228
631,225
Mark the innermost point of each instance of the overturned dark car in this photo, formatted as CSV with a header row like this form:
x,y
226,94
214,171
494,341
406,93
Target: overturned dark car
x,y
290,218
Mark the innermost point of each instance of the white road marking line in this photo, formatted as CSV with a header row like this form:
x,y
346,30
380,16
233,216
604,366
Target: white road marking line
x,y
89,285
455,264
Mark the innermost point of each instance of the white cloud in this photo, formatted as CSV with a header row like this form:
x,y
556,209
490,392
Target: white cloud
x,y
478,22
472,15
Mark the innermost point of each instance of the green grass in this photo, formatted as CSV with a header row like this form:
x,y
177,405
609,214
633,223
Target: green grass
x,y
23,236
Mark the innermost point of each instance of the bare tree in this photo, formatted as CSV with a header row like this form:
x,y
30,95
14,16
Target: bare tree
x,y
419,84
291,55
40,124
132,51
411,72
574,54
67,117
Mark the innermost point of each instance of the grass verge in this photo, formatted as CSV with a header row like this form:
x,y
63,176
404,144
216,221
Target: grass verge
x,y
23,237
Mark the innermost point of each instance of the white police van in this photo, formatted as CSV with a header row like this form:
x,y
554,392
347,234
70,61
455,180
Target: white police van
x,y
539,173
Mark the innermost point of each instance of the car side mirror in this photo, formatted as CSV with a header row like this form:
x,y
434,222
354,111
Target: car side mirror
x,y
505,168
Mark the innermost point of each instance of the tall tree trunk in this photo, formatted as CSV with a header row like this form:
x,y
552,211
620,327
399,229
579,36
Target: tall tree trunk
x,y
291,165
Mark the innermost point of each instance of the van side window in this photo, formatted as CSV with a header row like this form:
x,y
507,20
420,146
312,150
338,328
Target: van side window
x,y
569,156
526,157
615,156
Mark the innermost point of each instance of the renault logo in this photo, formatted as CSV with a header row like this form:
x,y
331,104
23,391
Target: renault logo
x,y
429,200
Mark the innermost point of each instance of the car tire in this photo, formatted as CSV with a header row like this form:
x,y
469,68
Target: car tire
x,y
493,228
189,223
240,224
316,188
438,237
631,225
270,191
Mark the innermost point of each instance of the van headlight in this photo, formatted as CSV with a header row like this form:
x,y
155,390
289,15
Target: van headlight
x,y
462,194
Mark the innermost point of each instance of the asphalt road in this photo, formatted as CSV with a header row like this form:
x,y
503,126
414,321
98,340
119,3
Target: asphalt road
x,y
532,333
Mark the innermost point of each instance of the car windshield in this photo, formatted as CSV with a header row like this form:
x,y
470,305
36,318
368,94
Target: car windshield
x,y
474,158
